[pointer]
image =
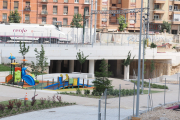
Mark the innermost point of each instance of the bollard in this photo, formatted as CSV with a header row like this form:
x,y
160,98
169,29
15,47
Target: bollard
x,y
99,110
83,82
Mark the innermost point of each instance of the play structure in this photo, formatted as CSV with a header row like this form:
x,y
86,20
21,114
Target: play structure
x,y
19,73
67,83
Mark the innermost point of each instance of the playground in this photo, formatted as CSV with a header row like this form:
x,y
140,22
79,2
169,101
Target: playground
x,y
22,77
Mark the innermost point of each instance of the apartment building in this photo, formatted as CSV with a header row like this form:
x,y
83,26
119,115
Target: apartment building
x,y
45,11
61,10
28,10
165,10
110,21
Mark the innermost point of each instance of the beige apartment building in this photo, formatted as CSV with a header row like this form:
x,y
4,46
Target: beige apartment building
x,y
164,10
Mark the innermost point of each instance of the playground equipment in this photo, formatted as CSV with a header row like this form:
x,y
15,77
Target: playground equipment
x,y
71,83
17,73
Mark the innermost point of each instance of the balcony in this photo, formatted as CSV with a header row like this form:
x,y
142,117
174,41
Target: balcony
x,y
176,1
157,20
65,1
44,1
176,11
87,2
27,21
27,8
176,21
55,1
158,10
159,1
44,12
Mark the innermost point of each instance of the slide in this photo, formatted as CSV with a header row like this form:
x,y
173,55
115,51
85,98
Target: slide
x,y
29,80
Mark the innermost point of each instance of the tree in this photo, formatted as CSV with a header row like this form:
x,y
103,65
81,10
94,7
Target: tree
x,y
76,21
122,23
128,60
101,81
14,17
81,58
166,26
23,50
41,60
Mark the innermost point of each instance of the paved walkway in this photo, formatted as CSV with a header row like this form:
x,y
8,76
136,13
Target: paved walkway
x,y
87,107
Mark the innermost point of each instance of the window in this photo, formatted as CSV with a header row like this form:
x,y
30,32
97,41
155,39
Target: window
x,y
65,10
87,23
27,6
16,4
4,4
119,1
86,1
76,10
156,17
156,6
131,23
54,19
65,1
54,9
44,20
170,8
5,17
132,13
76,1
133,1
27,18
86,10
65,21
104,21
44,7
174,31
175,8
113,4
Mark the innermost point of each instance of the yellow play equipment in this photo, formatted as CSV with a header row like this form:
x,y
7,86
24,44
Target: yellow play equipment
x,y
66,77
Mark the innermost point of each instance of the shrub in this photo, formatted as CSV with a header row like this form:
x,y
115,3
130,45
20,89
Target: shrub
x,y
78,91
36,81
42,100
18,103
33,100
54,99
48,100
96,93
86,92
58,98
2,107
10,105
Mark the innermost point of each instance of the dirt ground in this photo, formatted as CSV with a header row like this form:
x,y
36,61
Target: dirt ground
x,y
161,113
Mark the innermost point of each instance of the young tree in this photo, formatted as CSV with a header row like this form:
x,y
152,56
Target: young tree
x,y
81,58
41,60
128,60
122,23
23,50
14,17
166,26
76,21
102,82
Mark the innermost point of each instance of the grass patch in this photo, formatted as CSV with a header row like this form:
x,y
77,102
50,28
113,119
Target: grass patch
x,y
146,84
152,91
4,68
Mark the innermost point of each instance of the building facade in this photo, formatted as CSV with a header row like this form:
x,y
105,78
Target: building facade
x,y
26,8
165,10
45,11
110,21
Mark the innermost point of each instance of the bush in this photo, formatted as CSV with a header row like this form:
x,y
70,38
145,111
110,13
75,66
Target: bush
x,y
42,100
54,99
78,91
33,100
86,92
2,107
58,98
36,81
18,103
96,93
10,105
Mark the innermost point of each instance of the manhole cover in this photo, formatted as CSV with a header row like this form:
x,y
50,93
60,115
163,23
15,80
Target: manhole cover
x,y
52,111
